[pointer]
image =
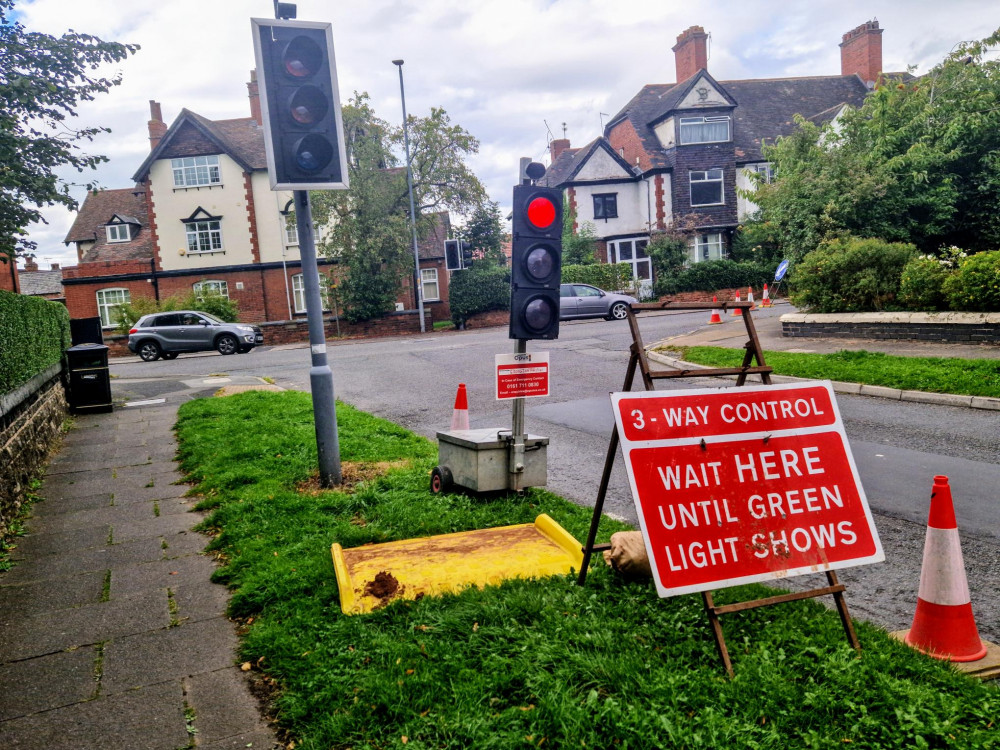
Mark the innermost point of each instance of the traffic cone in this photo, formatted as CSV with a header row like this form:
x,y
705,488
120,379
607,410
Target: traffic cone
x,y
715,319
750,298
766,301
736,310
460,416
943,625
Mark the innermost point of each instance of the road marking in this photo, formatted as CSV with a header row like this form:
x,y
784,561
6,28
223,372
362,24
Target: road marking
x,y
148,402
214,381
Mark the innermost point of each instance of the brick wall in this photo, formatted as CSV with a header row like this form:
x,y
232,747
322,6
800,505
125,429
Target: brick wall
x,y
624,136
701,157
945,327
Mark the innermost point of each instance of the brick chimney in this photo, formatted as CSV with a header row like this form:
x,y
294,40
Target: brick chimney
x,y
556,147
254,93
157,127
29,263
55,266
861,52
691,52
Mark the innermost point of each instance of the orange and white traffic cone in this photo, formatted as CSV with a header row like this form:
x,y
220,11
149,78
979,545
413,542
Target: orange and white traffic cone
x,y
766,301
750,298
460,416
943,625
736,311
715,319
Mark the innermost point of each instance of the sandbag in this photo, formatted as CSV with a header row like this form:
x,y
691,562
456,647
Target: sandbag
x,y
628,555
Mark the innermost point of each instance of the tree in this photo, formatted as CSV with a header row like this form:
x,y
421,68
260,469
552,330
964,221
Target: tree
x,y
919,162
579,243
43,79
370,223
484,232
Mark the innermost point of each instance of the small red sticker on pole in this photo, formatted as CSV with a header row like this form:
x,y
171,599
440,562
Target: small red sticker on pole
x,y
743,484
522,375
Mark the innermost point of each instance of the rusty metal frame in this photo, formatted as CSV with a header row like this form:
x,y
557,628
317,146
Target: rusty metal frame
x,y
638,361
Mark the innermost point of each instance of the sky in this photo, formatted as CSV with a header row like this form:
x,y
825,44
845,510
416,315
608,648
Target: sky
x,y
514,73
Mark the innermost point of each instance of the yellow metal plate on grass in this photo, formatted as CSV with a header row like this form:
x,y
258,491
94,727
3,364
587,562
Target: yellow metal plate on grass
x,y
371,576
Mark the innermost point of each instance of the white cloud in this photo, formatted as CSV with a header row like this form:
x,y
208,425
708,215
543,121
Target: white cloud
x,y
501,68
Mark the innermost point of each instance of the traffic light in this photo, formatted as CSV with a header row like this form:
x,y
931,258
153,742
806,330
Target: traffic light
x,y
536,263
453,255
300,104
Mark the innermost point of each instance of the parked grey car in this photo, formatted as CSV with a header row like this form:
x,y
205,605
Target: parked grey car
x,y
168,334
585,301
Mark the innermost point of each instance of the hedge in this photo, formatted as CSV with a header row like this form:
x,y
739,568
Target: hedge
x,y
612,277
711,275
33,335
479,289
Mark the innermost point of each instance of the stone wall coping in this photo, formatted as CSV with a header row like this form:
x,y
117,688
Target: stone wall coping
x,y
911,318
9,402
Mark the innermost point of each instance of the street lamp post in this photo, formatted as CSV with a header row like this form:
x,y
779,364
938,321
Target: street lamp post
x,y
413,212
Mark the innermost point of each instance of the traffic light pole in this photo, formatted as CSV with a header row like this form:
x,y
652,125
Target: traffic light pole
x,y
516,466
320,375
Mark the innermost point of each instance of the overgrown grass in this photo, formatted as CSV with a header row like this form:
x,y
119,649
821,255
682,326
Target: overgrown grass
x,y
540,663
970,377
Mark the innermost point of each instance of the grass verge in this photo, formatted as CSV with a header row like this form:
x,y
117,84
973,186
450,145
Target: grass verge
x,y
540,663
969,377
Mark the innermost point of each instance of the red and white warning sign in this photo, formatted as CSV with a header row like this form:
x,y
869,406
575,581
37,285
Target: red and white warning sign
x,y
522,375
743,484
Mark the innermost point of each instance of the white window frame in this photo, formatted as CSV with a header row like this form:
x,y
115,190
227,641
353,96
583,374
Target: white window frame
x,y
299,293
204,236
765,169
708,246
709,176
105,306
292,233
429,278
115,232
196,171
212,286
699,128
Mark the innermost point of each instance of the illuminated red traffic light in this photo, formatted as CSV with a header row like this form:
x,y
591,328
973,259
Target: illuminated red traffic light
x,y
541,212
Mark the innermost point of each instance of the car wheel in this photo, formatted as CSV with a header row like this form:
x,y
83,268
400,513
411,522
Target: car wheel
x,y
169,355
619,311
227,344
441,479
149,351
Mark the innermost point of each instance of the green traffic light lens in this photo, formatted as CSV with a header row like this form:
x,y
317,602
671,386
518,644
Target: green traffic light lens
x,y
540,262
302,58
308,105
313,153
538,314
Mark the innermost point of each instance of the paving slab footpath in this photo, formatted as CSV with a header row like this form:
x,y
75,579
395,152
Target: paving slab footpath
x,y
112,634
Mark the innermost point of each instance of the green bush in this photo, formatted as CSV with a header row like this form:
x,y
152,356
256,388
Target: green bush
x,y
711,275
479,289
975,287
612,277
851,275
921,284
33,335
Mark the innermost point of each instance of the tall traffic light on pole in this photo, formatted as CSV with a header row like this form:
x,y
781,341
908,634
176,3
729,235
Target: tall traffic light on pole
x,y
303,131
536,262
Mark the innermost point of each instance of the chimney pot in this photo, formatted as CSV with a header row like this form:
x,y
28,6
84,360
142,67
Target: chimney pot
x,y
30,264
557,146
690,52
55,266
253,91
157,128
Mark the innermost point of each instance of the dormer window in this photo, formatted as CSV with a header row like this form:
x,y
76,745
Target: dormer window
x,y
704,129
196,171
119,232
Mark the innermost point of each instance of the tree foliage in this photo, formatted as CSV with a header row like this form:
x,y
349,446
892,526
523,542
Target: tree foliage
x,y
919,162
370,226
43,80
484,232
579,243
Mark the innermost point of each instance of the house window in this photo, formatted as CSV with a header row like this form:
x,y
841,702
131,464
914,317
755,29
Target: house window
x,y
196,171
204,236
765,170
704,129
707,247
299,292
606,206
292,233
118,233
108,301
218,288
429,284
706,188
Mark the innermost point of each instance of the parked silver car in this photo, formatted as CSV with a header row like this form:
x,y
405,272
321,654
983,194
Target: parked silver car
x,y
167,334
586,301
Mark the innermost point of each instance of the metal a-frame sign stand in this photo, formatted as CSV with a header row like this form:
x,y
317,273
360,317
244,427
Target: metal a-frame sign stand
x,y
639,361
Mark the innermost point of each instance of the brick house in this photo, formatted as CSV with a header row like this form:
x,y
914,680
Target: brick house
x,y
678,152
202,216
44,284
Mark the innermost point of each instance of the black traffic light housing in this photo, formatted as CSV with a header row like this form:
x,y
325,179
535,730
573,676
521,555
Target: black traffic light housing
x,y
536,262
457,255
300,104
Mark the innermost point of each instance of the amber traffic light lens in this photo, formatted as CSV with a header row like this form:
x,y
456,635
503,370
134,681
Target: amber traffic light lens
x,y
308,105
540,262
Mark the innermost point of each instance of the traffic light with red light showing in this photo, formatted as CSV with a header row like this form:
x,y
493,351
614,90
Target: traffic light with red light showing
x,y
300,104
536,262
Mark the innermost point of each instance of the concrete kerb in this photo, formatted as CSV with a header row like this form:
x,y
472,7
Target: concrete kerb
x,y
854,389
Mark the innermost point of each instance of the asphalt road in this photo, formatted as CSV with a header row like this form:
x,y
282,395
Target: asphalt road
x,y
898,446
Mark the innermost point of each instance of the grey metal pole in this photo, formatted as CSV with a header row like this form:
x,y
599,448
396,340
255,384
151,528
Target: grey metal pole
x,y
320,375
417,291
516,458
